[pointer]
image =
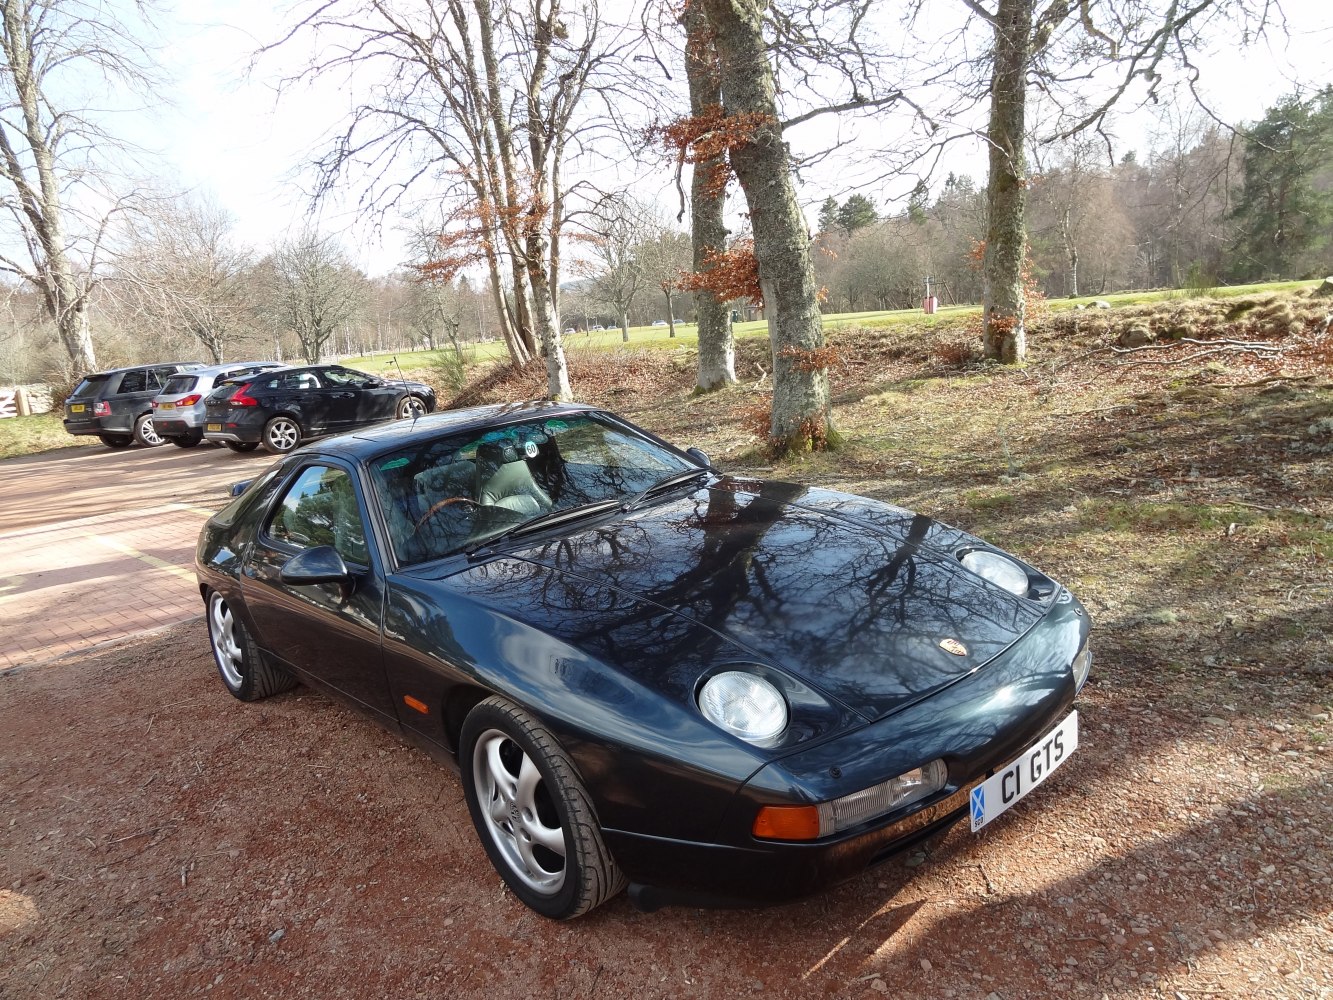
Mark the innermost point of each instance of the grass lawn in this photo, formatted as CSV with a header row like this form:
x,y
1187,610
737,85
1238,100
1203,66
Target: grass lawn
x,y
40,432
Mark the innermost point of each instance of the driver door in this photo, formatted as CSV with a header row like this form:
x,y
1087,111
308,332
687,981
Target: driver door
x,y
329,633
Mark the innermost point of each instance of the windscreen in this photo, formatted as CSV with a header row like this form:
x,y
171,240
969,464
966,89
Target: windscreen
x,y
445,495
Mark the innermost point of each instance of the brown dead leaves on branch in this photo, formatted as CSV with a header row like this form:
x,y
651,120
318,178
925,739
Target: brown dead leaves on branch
x,y
705,140
729,274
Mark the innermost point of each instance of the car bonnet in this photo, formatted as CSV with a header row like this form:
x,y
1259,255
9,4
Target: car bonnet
x,y
861,600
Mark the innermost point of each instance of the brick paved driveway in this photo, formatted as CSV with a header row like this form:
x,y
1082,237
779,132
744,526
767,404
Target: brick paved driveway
x,y
97,545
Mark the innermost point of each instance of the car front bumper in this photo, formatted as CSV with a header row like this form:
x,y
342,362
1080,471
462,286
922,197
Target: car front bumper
x,y
977,726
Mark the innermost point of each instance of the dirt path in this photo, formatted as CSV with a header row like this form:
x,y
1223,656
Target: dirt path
x,y
162,840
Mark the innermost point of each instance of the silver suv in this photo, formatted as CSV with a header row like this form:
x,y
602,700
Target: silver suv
x,y
178,410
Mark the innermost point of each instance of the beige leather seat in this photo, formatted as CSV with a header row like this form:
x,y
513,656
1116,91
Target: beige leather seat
x,y
511,485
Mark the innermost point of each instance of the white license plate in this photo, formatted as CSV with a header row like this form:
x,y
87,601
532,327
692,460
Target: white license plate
x,y
1005,787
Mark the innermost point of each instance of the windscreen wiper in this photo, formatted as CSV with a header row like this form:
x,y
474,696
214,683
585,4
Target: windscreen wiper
x,y
675,479
544,520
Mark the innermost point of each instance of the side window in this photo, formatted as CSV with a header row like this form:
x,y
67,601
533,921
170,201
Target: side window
x,y
345,378
133,381
320,508
151,381
300,380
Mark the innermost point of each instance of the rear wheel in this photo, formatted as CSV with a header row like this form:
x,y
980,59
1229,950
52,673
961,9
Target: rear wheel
x,y
281,435
242,445
115,440
244,671
189,441
534,816
411,406
146,434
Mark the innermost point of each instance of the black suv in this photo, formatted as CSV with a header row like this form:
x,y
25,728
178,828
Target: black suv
x,y
117,405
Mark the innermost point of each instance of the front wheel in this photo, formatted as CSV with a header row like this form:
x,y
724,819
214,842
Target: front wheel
x,y
533,815
411,406
244,671
146,434
242,445
281,435
115,440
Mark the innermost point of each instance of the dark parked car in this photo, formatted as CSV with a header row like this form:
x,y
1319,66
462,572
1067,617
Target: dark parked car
x,y
117,405
280,409
715,689
178,410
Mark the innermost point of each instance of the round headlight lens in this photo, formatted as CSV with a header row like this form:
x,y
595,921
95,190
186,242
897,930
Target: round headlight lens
x,y
998,570
744,705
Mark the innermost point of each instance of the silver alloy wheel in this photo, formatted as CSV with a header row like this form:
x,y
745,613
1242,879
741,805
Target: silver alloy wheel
x,y
518,812
282,434
148,434
222,631
411,406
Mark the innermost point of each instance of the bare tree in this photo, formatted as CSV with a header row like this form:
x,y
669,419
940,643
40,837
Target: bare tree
x,y
181,268
1058,48
316,290
484,98
620,227
758,154
708,230
51,145
667,258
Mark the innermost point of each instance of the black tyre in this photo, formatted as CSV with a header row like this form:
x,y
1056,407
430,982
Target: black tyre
x,y
281,435
242,667
188,441
533,815
410,406
146,434
115,440
242,445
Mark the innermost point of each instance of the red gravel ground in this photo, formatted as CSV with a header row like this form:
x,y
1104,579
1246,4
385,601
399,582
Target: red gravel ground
x,y
163,840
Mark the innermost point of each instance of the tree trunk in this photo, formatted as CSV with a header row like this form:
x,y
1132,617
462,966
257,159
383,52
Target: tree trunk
x,y
519,353
801,417
1003,311
717,351
671,312
72,323
548,322
624,326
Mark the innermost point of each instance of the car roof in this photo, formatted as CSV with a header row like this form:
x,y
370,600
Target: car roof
x,y
181,365
231,366
371,441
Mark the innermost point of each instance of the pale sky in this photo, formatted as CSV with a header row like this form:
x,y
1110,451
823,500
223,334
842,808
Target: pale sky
x,y
227,134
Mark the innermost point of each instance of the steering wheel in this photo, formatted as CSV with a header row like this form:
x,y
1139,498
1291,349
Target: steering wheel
x,y
439,506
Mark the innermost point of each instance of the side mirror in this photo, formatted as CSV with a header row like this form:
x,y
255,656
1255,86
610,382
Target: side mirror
x,y
700,456
237,489
322,564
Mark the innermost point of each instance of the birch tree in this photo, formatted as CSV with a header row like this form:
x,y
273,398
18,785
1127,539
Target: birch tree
x,y
60,58
482,99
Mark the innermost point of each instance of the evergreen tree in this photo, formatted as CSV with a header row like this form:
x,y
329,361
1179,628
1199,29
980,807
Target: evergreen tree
x,y
828,215
857,212
1284,219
